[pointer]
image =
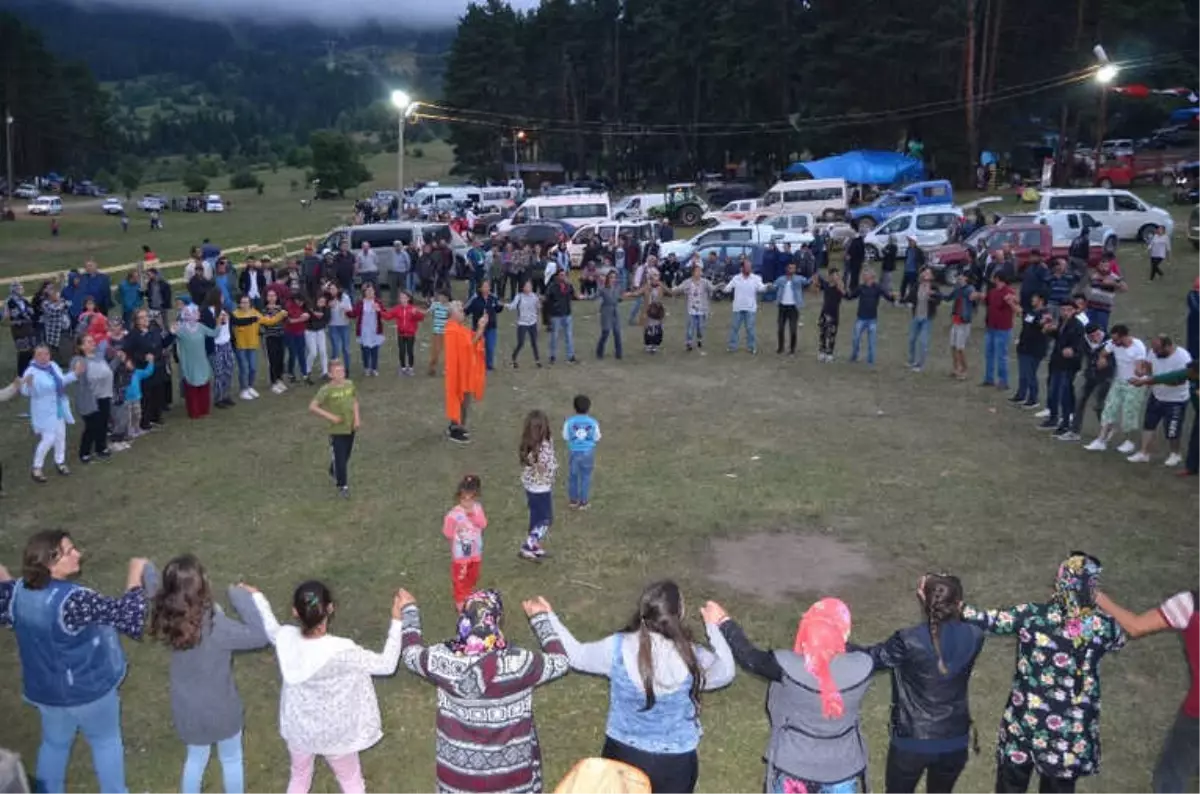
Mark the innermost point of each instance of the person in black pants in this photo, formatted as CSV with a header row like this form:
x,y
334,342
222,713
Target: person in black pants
x,y
337,403
149,338
856,252
931,665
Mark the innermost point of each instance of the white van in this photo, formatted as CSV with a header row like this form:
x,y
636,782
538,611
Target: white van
x,y
826,199
638,205
1127,215
575,210
45,205
429,199
497,199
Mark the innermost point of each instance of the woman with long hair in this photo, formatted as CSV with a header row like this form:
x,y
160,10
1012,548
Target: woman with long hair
x,y
656,674
327,705
813,700
205,704
486,736
931,666
538,467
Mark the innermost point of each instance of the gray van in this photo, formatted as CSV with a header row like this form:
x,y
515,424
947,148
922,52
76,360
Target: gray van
x,y
382,235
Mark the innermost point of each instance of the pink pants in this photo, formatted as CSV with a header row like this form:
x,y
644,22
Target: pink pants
x,y
346,768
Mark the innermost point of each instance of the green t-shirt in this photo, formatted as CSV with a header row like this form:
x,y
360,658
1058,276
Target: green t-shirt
x,y
339,401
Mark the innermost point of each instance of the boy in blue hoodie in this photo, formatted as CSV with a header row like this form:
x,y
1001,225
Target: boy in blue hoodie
x,y
582,433
127,398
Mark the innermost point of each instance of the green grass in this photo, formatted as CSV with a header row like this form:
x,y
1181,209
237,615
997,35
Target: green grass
x,y
948,477
26,246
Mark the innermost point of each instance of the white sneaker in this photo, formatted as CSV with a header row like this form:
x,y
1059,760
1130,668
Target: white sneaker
x,y
1173,459
1099,445
244,395
1138,457
1126,447
275,388
254,392
1042,414
282,387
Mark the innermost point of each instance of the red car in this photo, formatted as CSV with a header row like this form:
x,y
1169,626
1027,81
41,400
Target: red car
x,y
1024,237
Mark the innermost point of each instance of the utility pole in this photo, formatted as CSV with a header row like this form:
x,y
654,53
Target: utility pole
x,y
8,156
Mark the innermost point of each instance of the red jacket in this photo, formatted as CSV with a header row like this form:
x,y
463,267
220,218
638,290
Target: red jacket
x,y
356,311
407,318
293,325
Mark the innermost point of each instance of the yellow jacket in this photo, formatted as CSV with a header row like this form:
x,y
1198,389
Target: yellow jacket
x,y
245,327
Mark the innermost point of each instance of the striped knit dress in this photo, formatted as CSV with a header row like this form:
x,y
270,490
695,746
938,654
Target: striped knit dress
x,y
486,737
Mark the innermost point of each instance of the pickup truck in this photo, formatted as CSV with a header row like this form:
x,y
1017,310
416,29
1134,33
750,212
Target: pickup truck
x,y
748,233
947,260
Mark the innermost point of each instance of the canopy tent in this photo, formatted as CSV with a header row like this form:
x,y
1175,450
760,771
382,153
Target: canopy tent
x,y
863,166
1184,116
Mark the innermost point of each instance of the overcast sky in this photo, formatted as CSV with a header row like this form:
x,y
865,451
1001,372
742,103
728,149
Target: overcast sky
x,y
412,13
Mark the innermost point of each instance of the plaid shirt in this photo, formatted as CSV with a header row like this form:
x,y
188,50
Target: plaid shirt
x,y
55,321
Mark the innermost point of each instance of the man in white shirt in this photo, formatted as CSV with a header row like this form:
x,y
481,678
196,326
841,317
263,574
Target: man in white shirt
x,y
745,287
1167,404
1127,356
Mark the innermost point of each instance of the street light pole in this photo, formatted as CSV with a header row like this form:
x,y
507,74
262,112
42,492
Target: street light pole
x,y
404,105
1106,72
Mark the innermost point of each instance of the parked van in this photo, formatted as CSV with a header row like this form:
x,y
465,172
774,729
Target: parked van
x,y
1127,215
497,199
382,235
827,199
428,199
638,205
45,205
573,210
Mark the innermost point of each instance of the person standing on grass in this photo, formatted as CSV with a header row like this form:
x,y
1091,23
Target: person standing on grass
x,y
130,293
487,739
1124,400
273,317
97,286
149,339
1176,767
205,705
49,409
407,317
439,309
315,342
1035,280
220,349
93,400
1097,378
246,322
559,295
128,378
745,287
191,335
656,675
924,298
481,303
868,294
1051,724
341,267
582,434
856,254
1159,249
56,320
887,264
1065,359
68,640
1103,285
789,297
1002,305
650,297
337,403
340,306
538,467
367,313
913,262
832,294
697,292
527,306
962,300
930,666
252,282
466,374
327,703
398,267
1167,404
1059,286
463,526
293,336
366,265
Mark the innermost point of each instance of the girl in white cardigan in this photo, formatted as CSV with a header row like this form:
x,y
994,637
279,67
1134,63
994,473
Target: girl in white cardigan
x,y
327,706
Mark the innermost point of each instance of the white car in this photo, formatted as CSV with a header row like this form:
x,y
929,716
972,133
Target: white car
x,y
637,205
151,203
26,191
792,222
1127,215
930,226
112,206
732,232
214,204
45,205
734,211
1117,147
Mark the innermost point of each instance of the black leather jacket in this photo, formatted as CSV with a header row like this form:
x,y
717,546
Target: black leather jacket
x,y
927,705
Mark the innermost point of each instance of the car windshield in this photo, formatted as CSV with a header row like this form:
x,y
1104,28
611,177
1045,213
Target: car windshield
x,y
980,235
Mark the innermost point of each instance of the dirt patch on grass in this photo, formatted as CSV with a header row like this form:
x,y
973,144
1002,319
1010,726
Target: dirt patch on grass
x,y
774,565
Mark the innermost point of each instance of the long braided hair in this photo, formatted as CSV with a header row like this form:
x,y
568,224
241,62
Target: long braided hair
x,y
942,597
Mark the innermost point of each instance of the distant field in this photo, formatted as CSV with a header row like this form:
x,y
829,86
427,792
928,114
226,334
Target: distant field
x,y
27,247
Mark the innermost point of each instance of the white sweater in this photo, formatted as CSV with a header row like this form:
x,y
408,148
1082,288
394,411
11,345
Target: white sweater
x,y
327,705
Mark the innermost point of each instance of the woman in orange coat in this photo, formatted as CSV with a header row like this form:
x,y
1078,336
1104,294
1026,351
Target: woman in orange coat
x,y
465,372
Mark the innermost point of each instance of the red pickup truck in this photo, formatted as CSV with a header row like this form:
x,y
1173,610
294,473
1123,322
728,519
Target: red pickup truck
x,y
947,260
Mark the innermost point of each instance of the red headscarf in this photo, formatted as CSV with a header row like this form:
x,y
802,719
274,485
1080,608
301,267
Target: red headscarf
x,y
819,639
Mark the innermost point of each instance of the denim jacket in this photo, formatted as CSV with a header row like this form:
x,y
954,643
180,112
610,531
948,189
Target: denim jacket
x,y
966,292
799,282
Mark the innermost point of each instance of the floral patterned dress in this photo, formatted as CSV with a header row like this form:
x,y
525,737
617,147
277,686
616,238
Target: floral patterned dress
x,y
1053,715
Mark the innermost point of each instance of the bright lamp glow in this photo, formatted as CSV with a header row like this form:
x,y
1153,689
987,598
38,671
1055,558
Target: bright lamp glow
x,y
401,100
1106,73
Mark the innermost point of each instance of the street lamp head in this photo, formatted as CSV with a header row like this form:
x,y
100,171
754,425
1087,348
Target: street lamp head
x,y
1106,74
401,100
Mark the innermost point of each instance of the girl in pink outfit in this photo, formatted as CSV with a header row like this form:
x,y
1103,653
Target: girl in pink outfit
x,y
463,527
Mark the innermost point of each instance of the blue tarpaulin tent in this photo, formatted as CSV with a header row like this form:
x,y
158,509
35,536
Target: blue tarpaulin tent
x,y
1184,116
863,166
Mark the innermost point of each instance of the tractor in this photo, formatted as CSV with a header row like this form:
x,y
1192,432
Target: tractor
x,y
683,207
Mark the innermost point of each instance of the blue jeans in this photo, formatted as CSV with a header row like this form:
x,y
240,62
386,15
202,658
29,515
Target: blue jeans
x,y
1099,317
695,328
294,343
489,346
563,325
1061,399
100,722
370,356
743,320
1027,385
616,337
918,341
579,478
229,751
995,360
247,364
871,329
635,309
339,343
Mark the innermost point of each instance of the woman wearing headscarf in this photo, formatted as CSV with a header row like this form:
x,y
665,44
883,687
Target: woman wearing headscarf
x,y
190,335
19,313
487,740
147,339
1052,721
49,409
656,674
466,373
813,700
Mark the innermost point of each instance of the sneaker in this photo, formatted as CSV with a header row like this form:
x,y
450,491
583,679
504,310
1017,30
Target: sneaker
x,y
254,393
539,364
1173,459
1049,423
1070,435
1126,447
552,361
119,446
1138,457
85,458
1029,405
244,395
1042,414
37,476
1016,398
106,455
291,378
276,388
344,492
62,469
458,435
573,505
526,553
1099,445
572,360
584,505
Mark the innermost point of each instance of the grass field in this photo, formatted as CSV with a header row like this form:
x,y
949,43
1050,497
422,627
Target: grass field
x,y
762,482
